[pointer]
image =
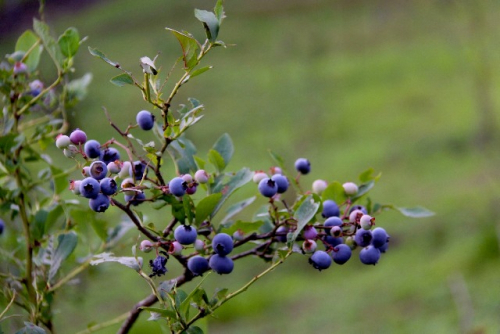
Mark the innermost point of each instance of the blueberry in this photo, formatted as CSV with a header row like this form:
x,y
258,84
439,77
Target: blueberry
x,y
100,203
92,149
319,186
74,186
303,166
350,188
332,221
127,186
198,265
89,187
36,87
146,246
281,233
330,209
109,154
366,222
320,260
333,241
276,170
62,141
145,120
201,176
86,171
383,249
199,246
139,169
136,198
360,208
268,187
258,176
177,186
158,265
355,216
71,151
369,255
222,244
336,231
221,264
20,68
379,237
191,190
108,186
363,237
309,246
175,248
310,232
126,170
114,167
341,253
98,170
78,137
281,181
185,234
2,226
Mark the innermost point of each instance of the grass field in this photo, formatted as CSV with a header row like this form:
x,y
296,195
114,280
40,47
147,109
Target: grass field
x,y
397,86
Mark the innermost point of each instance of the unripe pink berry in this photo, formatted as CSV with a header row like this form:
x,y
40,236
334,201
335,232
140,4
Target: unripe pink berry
x,y
187,178
355,215
71,151
309,246
114,167
78,137
259,176
276,170
319,186
201,176
175,248
126,170
199,246
146,246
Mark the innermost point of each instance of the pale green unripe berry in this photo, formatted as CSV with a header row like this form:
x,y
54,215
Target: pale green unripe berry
x,y
349,241
146,246
71,151
128,183
350,188
114,167
62,141
199,246
259,176
366,222
319,186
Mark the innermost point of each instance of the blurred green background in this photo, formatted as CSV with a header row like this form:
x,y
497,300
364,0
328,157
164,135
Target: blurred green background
x,y
409,88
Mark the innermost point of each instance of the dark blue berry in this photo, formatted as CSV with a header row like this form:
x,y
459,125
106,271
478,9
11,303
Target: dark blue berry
x,y
369,255
158,266
221,264
100,203
281,181
333,241
198,265
136,198
177,186
145,120
360,208
341,253
331,222
303,166
268,187
363,237
108,186
320,260
92,149
139,169
222,244
109,154
379,237
383,249
2,226
89,187
330,209
98,170
185,234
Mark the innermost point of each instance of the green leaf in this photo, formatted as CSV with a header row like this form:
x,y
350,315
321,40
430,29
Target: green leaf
x,y
116,233
278,159
190,48
165,287
210,22
66,245
69,42
206,206
237,208
363,189
122,80
217,160
96,53
163,312
306,211
26,42
183,150
334,191
199,71
30,328
77,89
219,11
42,30
415,212
130,261
240,179
367,176
60,180
194,330
225,147
200,163
38,226
245,227
189,209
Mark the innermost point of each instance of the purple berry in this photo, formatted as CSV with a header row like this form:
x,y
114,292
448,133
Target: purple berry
x,y
281,181
92,149
36,87
100,203
320,260
90,188
20,68
78,137
303,166
221,264
145,120
222,244
191,190
108,186
310,232
98,170
185,234
369,255
341,254
363,237
177,186
383,249
198,265
330,209
268,187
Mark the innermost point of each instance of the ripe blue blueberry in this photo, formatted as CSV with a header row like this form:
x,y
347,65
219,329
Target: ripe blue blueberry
x,y
268,187
222,244
341,253
158,266
358,207
89,187
198,265
281,181
145,120
221,264
92,149
379,237
383,249
330,209
108,186
185,235
78,137
320,260
333,241
363,237
369,255
139,169
303,166
177,186
2,226
136,198
98,170
100,203
109,154
332,221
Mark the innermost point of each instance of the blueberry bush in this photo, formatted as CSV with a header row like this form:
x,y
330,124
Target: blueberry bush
x,y
42,223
